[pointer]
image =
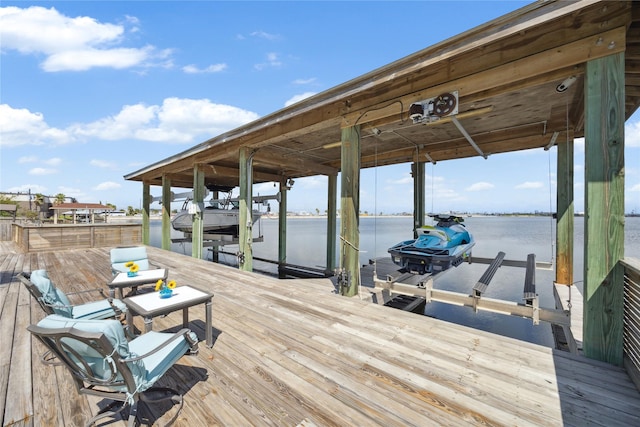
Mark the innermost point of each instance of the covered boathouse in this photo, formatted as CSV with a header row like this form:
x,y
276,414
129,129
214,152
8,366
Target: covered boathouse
x,y
539,77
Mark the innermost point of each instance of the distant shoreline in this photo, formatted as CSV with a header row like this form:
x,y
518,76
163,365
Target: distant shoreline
x,y
138,218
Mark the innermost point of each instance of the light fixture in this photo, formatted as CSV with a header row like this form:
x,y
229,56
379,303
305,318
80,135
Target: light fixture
x,y
289,184
332,145
416,112
566,84
551,143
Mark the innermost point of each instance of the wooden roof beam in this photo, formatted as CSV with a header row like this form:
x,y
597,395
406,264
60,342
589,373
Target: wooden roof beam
x,y
292,164
522,71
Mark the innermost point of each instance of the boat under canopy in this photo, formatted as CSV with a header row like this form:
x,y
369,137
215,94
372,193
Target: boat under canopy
x,y
221,216
436,248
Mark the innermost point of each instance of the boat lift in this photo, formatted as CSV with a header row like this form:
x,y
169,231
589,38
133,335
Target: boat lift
x,y
216,239
529,308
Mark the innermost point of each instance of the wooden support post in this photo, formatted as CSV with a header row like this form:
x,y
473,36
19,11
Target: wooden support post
x,y
146,203
332,195
350,211
417,171
564,220
215,250
197,238
245,260
166,212
604,209
282,228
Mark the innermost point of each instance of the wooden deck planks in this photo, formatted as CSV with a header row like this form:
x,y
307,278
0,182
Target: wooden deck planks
x,y
290,352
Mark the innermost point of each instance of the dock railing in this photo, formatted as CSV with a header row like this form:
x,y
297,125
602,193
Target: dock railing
x,y
35,238
631,319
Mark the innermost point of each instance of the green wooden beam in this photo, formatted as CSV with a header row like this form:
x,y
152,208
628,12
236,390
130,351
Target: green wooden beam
x,y
282,228
604,209
564,220
215,250
197,231
166,212
146,203
332,197
417,171
246,223
350,211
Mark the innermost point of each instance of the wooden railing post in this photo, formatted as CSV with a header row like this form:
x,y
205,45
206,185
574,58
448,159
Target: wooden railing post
x,y
604,209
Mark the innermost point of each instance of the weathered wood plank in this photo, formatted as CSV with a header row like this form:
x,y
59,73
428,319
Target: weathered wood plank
x,y
19,386
7,326
289,352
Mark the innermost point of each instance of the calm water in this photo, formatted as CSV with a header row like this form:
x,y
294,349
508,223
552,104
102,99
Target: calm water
x,y
516,236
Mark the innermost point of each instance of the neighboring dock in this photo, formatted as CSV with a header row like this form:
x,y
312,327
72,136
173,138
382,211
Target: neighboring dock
x,y
294,353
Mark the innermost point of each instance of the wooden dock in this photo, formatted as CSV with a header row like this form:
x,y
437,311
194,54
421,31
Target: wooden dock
x,y
293,353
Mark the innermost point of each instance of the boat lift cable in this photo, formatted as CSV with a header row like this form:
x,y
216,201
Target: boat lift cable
x,y
375,203
550,210
433,167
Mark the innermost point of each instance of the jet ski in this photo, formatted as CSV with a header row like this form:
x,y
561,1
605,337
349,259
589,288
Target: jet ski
x,y
436,249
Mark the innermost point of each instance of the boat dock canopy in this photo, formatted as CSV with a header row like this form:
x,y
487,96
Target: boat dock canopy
x,y
514,83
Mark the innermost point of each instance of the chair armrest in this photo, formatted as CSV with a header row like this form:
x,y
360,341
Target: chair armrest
x,y
185,332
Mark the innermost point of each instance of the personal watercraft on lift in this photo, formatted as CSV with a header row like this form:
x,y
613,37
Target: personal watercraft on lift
x,y
437,247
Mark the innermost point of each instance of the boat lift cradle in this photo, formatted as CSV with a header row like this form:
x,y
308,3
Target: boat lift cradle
x,y
529,308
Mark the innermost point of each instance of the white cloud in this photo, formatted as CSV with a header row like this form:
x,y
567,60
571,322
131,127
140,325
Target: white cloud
x,y
19,126
73,192
480,186
42,171
25,188
120,126
102,164
632,134
304,81
75,44
311,182
265,35
529,185
405,179
27,159
635,188
214,68
298,98
272,61
85,59
108,185
54,161
176,121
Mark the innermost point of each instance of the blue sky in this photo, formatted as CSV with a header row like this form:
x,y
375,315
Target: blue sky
x,y
91,91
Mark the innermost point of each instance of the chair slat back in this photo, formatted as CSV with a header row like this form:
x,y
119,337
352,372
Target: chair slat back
x,y
120,256
90,355
52,299
35,292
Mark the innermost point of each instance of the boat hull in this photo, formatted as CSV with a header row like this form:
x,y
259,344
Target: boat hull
x,y
418,261
216,221
436,248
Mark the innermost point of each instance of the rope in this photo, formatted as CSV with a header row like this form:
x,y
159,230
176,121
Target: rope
x,y
109,359
550,210
433,167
